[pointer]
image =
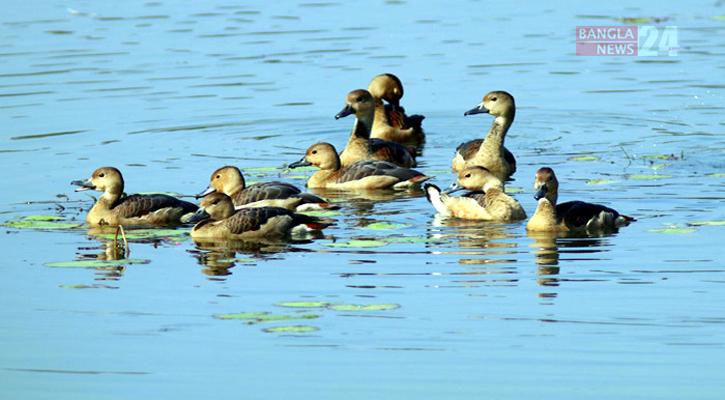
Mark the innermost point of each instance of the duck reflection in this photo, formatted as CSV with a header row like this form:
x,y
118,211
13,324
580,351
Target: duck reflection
x,y
218,256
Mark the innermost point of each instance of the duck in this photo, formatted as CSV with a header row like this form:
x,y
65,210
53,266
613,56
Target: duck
x,y
115,208
230,181
390,121
218,219
487,201
368,174
490,151
572,216
360,146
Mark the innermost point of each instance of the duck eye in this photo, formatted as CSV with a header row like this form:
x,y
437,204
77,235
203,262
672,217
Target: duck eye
x,y
101,175
218,176
468,176
314,151
494,99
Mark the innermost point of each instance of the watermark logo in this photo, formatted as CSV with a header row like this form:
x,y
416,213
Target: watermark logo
x,y
643,41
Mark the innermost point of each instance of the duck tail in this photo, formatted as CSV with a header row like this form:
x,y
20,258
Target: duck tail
x,y
435,197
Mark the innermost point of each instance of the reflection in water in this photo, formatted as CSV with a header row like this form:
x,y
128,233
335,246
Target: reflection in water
x,y
218,256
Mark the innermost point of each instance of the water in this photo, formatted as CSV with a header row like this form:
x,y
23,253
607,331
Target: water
x,y
168,92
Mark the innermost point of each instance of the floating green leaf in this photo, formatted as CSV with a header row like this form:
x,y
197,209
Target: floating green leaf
x,y
322,213
79,286
673,230
256,318
292,329
357,243
303,304
300,177
262,169
95,263
310,168
515,189
584,158
717,175
646,177
42,222
140,234
599,181
382,226
658,166
719,17
635,21
359,307
706,223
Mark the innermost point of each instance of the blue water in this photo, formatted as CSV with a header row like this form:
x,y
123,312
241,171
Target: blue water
x,y
169,92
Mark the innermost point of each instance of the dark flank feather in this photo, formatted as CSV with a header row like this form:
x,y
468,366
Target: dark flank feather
x,y
252,219
387,150
138,205
362,169
579,213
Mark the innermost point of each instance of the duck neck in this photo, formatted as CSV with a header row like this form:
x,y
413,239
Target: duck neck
x,y
497,134
545,213
109,198
381,115
363,126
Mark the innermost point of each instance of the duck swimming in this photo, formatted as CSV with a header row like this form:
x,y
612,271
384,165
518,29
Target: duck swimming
x,y
490,152
114,208
219,220
230,181
391,122
361,147
369,174
487,201
572,215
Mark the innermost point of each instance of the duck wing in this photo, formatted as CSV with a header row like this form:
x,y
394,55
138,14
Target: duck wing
x,y
138,205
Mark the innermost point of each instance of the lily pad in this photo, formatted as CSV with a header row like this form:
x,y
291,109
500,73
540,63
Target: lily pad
x,y
300,177
310,168
658,166
717,175
357,243
673,230
515,189
292,329
649,177
359,307
382,226
303,304
706,223
256,318
141,234
79,286
322,213
42,222
599,181
635,20
584,158
413,239
95,263
262,169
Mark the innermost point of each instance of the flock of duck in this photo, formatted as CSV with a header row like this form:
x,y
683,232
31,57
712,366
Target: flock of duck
x,y
375,157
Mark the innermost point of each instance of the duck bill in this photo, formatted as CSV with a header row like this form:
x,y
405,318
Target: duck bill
x,y
84,185
208,190
301,163
479,109
199,215
540,192
455,187
345,111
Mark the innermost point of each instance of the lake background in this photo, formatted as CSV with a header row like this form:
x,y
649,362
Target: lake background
x,y
170,91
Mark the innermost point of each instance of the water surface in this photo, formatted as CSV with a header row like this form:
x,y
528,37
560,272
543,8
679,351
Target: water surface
x,y
169,92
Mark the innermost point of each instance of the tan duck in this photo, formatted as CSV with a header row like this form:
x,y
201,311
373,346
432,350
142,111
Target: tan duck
x,y
390,121
115,208
490,152
570,216
368,174
360,146
487,201
219,220
230,181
